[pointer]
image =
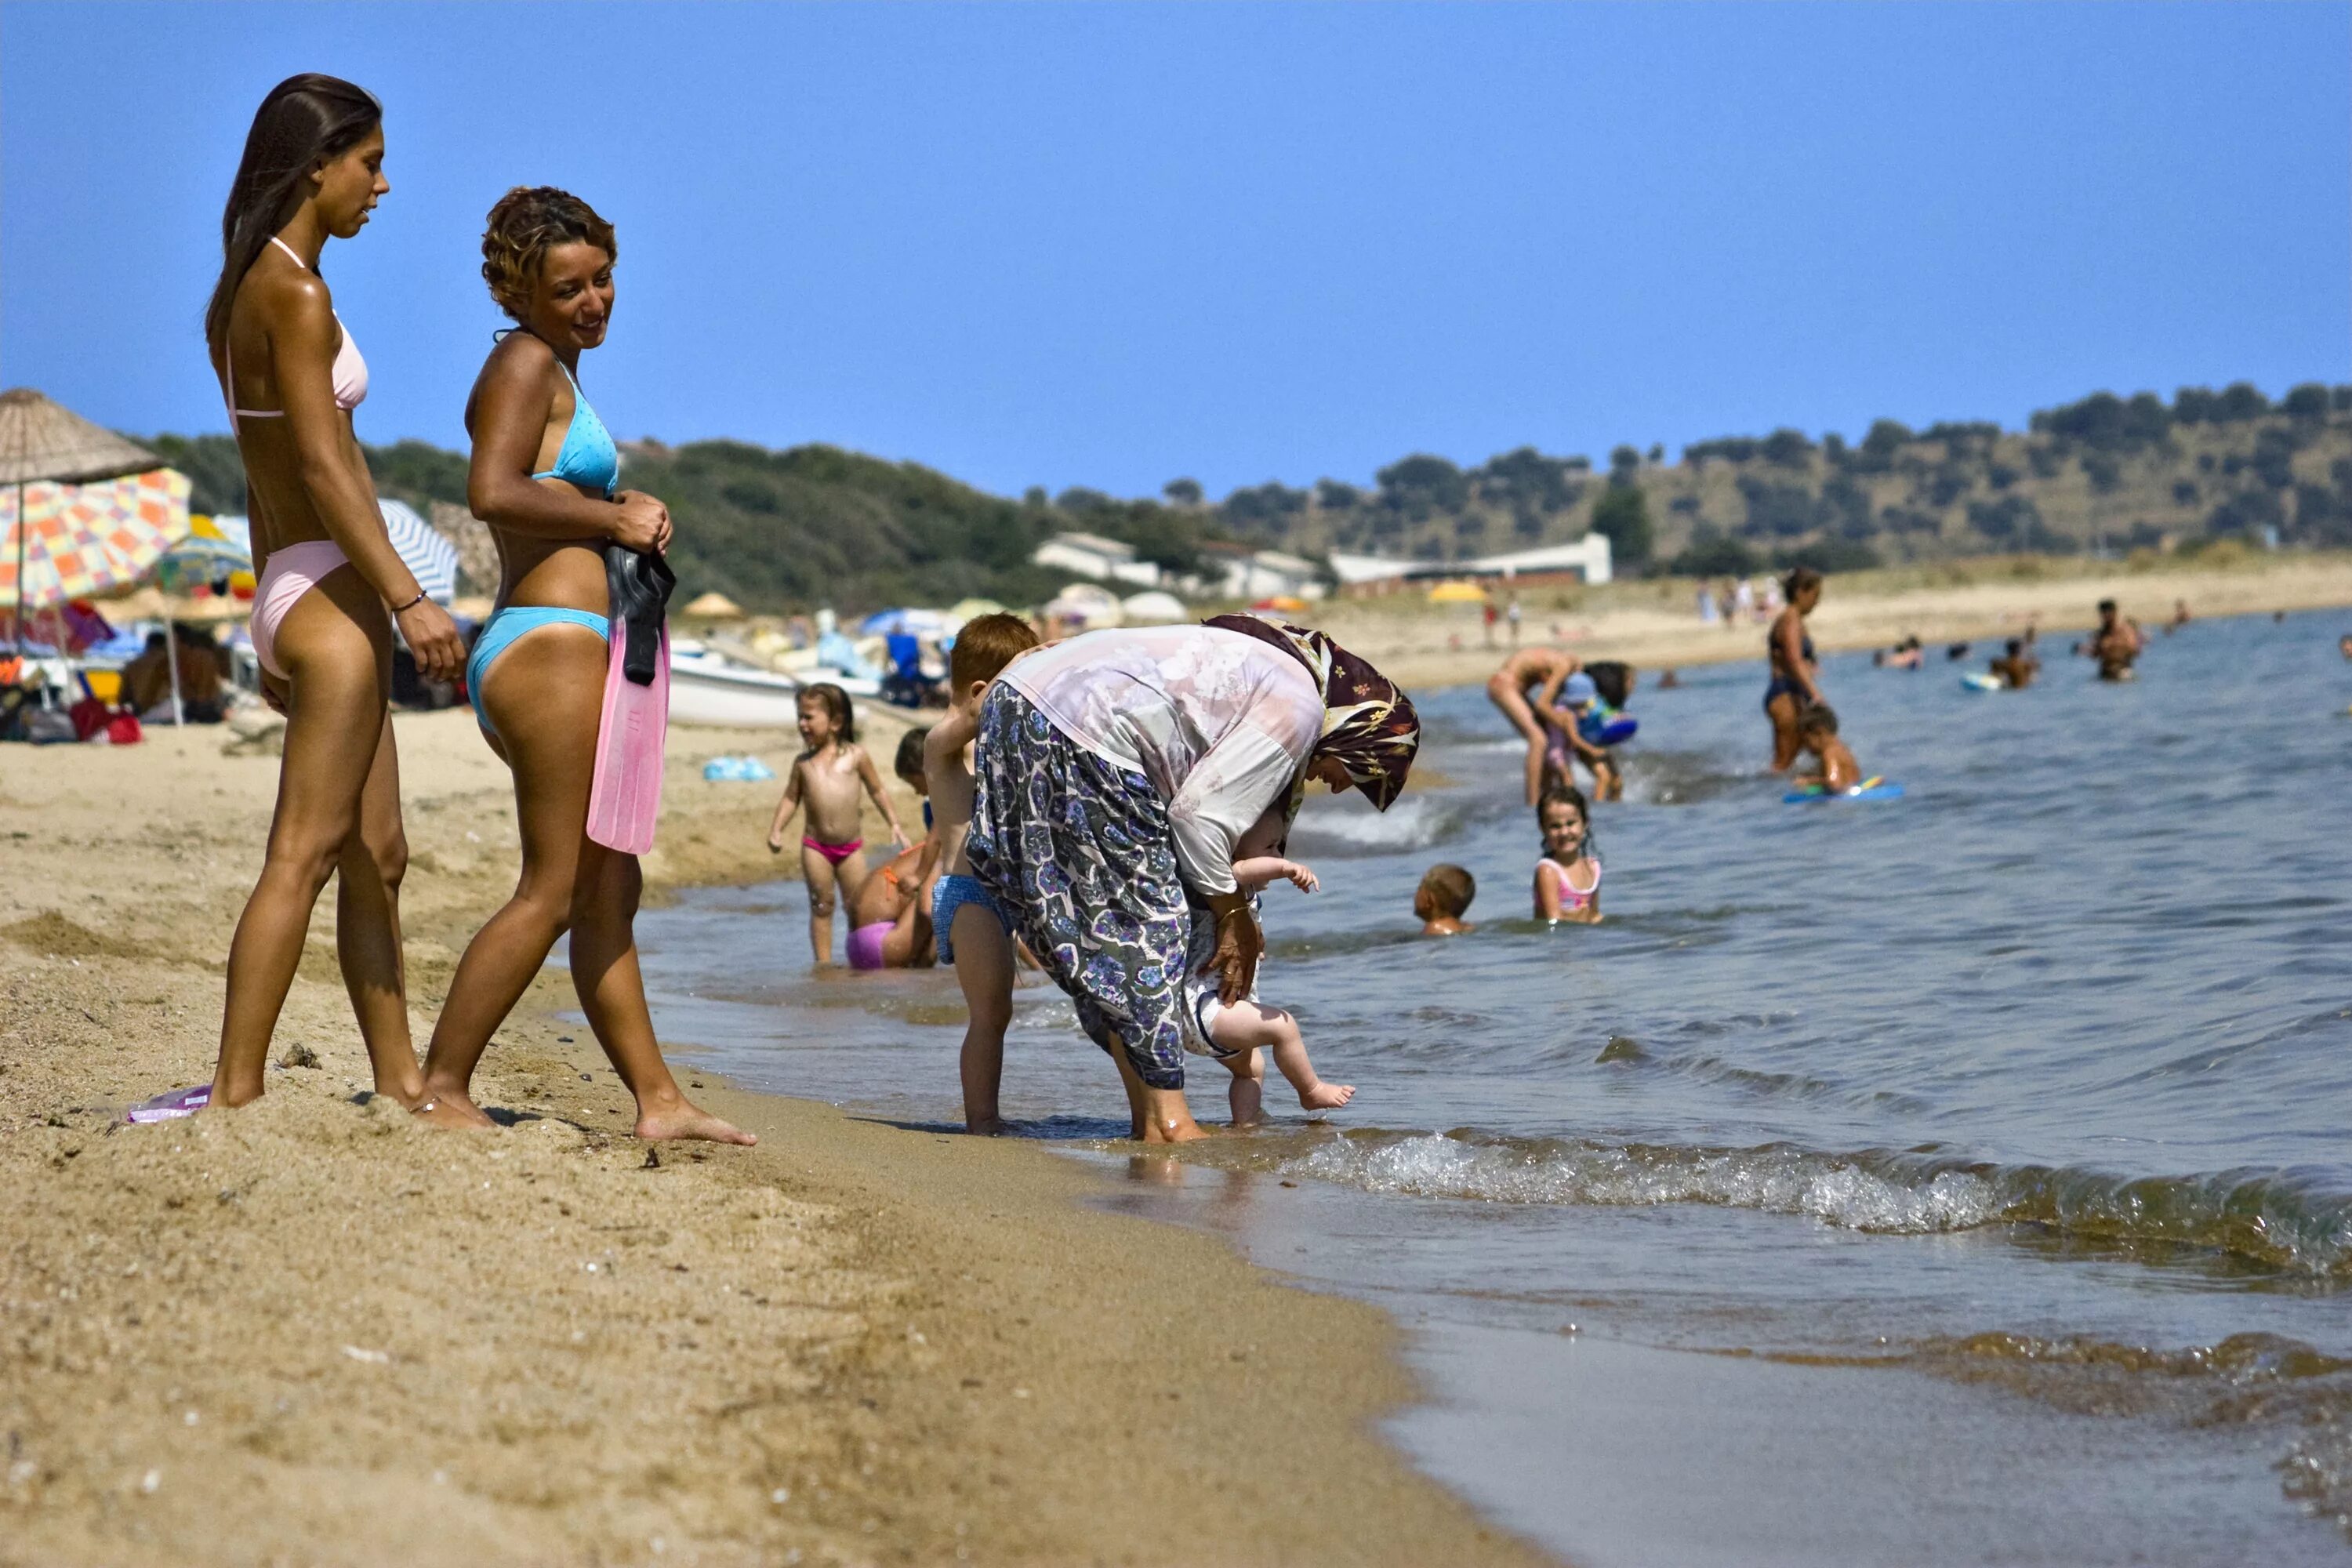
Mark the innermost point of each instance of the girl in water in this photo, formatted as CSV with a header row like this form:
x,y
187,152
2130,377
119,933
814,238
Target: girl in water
x,y
828,776
313,171
1789,648
543,477
1568,877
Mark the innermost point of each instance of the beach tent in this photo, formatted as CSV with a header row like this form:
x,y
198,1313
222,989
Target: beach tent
x,y
713,606
1087,605
1457,593
972,609
1154,607
39,441
431,558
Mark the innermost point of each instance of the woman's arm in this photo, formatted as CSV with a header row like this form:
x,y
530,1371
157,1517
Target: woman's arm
x,y
507,419
1239,945
873,777
790,803
303,336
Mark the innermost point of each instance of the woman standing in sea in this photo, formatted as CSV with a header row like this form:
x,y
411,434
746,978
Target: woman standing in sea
x,y
544,476
1788,650
1116,770
313,171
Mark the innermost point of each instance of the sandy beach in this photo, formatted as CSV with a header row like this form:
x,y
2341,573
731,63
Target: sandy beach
x,y
312,1332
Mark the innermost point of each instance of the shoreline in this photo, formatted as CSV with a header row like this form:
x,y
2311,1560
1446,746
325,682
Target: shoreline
x,y
313,1330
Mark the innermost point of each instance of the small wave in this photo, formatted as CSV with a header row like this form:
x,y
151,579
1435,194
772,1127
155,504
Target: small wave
x,y
2271,1218
1415,822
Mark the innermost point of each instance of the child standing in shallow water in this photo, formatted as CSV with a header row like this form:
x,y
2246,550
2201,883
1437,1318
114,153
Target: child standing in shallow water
x,y
1568,877
829,773
1233,1033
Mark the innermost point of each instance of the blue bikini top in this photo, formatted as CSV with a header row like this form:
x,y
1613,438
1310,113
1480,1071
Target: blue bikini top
x,y
587,458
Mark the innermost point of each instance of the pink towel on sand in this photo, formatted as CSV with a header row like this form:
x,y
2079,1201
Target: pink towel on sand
x,y
627,796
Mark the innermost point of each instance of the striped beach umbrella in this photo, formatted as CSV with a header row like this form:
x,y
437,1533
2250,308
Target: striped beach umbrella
x,y
433,559
74,541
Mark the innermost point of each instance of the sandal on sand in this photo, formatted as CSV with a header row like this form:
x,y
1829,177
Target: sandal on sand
x,y
170,1107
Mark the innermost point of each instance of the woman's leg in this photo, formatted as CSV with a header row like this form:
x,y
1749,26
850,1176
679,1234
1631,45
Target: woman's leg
x,y
335,644
613,994
545,694
367,927
817,872
1512,701
1782,711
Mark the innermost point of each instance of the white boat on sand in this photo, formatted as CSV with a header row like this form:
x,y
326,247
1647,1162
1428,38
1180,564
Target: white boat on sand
x,y
709,687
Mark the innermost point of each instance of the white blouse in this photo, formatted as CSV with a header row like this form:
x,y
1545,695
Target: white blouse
x,y
1218,722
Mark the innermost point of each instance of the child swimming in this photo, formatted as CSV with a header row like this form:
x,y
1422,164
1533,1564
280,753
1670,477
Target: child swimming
x,y
1443,898
1568,877
1817,733
830,772
970,928
1231,1033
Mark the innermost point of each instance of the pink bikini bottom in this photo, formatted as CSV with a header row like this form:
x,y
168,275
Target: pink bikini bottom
x,y
293,570
866,945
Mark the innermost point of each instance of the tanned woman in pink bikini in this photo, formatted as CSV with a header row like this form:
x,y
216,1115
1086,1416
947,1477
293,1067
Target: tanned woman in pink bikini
x,y
331,586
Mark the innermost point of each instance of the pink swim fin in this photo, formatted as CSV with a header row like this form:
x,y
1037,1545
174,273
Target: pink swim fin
x,y
627,797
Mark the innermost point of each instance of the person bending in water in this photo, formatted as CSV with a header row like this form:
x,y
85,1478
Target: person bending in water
x,y
2117,644
1527,688
830,772
1606,683
1817,732
1794,686
1443,898
2018,667
543,477
1234,1032
890,923
1568,877
971,929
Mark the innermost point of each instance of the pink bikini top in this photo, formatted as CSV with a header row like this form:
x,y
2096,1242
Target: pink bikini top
x,y
350,370
1569,896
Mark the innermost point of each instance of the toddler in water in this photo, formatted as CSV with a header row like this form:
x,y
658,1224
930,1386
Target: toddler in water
x,y
1443,898
1817,732
1233,1033
830,772
972,930
1568,877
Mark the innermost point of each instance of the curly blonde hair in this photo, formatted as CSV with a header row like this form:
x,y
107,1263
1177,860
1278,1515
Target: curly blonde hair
x,y
527,221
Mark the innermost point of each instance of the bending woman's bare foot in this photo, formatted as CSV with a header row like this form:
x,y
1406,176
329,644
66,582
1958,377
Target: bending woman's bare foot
x,y
684,1119
450,1108
1327,1096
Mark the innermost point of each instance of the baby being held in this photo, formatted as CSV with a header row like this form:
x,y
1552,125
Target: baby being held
x,y
1234,1032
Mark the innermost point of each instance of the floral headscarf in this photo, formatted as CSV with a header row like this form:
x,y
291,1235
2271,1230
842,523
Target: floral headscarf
x,y
1368,724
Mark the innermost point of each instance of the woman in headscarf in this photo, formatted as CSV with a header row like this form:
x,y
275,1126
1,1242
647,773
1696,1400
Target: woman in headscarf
x,y
1115,772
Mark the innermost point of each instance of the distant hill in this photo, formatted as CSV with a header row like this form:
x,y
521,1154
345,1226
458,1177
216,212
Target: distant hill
x,y
808,525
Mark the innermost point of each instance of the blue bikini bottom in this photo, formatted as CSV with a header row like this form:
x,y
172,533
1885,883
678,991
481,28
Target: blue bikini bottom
x,y
515,621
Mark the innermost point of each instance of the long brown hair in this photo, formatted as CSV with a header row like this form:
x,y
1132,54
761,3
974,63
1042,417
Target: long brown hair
x,y
304,119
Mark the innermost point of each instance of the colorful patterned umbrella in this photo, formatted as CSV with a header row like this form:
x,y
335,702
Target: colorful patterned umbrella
x,y
77,540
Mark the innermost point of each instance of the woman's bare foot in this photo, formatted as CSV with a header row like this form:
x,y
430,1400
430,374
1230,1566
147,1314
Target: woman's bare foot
x,y
987,1127
450,1108
687,1120
1327,1096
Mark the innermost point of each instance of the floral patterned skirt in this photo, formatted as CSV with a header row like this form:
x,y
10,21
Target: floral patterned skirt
x,y
1081,851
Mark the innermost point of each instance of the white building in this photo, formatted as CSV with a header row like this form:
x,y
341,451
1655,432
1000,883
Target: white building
x,y
1236,572
1356,570
1091,555
1586,560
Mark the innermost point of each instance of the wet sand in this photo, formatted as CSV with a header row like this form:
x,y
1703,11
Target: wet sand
x,y
311,1331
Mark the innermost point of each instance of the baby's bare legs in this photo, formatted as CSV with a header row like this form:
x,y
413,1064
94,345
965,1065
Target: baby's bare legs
x,y
983,966
1247,1094
1251,1024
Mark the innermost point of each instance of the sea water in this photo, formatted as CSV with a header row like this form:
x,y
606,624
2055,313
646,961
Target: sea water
x,y
1954,1180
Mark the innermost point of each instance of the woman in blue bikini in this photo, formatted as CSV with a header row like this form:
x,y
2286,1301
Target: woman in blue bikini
x,y
543,477
1790,649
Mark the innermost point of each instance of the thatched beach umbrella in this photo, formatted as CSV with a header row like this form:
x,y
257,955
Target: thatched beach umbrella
x,y
39,442
713,606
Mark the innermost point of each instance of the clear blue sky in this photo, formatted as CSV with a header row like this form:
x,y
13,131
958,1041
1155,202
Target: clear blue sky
x,y
1111,244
